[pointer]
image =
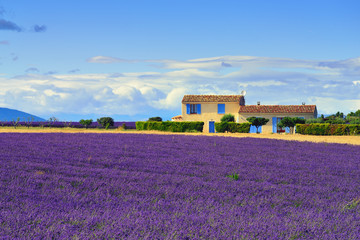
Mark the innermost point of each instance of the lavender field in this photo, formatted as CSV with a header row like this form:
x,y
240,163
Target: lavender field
x,y
134,186
49,124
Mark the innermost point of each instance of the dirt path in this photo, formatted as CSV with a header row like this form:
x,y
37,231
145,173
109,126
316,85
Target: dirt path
x,y
355,140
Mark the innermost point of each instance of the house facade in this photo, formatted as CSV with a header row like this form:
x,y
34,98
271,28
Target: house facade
x,y
211,108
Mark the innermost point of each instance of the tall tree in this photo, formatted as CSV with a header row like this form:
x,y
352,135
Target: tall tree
x,y
291,123
257,122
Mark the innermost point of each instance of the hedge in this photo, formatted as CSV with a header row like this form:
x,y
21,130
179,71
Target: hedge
x,y
328,129
170,126
232,127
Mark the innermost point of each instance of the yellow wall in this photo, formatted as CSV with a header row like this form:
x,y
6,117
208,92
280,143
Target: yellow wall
x,y
209,113
268,127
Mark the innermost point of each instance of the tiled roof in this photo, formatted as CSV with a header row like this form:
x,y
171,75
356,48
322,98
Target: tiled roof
x,y
212,98
277,109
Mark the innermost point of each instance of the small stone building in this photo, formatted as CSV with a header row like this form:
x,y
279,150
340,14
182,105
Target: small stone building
x,y
211,108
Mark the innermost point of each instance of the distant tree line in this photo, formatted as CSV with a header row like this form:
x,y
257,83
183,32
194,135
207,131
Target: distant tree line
x,y
338,118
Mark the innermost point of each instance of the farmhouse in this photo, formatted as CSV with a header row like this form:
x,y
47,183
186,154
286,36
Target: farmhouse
x,y
211,108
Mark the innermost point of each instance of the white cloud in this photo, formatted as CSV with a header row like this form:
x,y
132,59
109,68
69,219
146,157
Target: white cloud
x,y
262,83
105,59
172,100
332,85
332,105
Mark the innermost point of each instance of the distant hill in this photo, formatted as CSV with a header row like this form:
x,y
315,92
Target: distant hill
x,y
7,114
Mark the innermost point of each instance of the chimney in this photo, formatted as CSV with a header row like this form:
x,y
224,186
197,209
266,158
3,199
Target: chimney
x,y
242,101
258,103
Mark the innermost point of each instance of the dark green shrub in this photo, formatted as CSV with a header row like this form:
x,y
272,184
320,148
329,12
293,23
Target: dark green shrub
x,y
314,120
228,118
86,123
328,129
106,122
232,127
155,119
354,129
353,120
170,126
221,127
139,125
336,120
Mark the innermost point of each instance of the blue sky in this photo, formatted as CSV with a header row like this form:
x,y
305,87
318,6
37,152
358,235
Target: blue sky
x,y
135,59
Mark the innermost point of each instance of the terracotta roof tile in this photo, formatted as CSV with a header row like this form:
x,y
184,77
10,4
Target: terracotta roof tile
x,y
277,109
212,98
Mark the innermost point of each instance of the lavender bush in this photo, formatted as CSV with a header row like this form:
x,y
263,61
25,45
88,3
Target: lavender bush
x,y
132,186
129,125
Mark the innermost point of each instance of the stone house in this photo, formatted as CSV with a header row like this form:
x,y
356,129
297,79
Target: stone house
x,y
211,108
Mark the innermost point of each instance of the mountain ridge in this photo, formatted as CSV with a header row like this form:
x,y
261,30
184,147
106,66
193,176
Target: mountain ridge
x,y
8,114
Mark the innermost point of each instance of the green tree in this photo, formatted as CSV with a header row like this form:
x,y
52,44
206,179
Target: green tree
x,y
287,122
86,122
339,115
298,120
155,119
357,113
106,122
353,117
337,118
228,118
291,122
257,122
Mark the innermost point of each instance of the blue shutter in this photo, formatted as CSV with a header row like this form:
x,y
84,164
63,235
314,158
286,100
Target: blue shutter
x,y
221,108
274,119
287,130
199,109
187,108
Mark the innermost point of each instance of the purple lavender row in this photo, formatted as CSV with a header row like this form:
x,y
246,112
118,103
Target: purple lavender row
x,y
129,125
90,186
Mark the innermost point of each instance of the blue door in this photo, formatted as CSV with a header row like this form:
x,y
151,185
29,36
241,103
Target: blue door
x,y
212,127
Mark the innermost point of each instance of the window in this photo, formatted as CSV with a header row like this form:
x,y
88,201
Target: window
x,y
193,108
221,108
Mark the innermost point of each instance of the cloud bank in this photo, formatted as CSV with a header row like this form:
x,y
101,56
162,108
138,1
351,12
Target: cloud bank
x,y
331,85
